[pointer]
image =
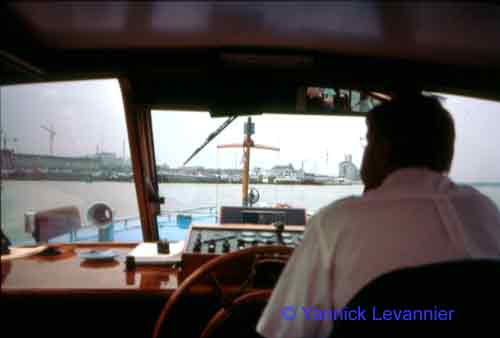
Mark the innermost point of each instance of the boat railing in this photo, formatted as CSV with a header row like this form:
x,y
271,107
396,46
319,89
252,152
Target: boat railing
x,y
170,214
132,222
127,223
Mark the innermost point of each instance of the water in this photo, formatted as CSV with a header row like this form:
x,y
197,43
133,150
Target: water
x,y
17,197
311,197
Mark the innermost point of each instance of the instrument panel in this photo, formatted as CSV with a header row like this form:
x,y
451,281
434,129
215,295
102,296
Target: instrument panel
x,y
206,242
210,241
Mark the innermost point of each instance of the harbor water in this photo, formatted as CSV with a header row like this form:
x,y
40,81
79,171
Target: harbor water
x,y
20,197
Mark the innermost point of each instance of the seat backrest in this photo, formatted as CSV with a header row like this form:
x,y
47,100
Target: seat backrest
x,y
56,222
460,296
237,215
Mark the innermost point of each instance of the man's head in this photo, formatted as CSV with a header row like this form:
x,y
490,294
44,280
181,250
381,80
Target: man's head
x,y
408,131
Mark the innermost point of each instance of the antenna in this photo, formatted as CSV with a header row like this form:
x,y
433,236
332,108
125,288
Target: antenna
x,y
123,150
52,135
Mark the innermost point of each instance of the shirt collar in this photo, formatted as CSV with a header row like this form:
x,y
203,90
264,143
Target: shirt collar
x,y
421,180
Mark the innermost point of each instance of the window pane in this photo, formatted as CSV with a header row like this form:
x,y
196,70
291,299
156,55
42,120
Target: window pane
x,y
477,156
64,148
318,161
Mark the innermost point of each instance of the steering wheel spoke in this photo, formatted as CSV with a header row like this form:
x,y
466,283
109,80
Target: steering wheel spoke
x,y
218,290
206,274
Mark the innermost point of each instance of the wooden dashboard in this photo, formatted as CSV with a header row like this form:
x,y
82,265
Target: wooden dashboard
x,y
67,273
57,294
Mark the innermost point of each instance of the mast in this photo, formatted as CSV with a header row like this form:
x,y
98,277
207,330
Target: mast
x,y
248,143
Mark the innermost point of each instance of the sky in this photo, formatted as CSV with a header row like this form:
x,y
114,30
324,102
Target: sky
x,y
318,143
88,116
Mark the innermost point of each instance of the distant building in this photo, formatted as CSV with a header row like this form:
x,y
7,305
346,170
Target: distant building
x,y
7,162
231,172
256,171
108,160
7,159
282,170
348,170
54,163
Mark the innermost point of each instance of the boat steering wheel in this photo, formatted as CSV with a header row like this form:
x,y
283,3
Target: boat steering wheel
x,y
246,293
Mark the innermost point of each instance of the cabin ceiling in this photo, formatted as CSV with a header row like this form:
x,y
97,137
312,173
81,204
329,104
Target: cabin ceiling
x,y
424,40
443,32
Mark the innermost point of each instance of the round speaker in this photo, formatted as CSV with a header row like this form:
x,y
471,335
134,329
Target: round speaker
x,y
99,214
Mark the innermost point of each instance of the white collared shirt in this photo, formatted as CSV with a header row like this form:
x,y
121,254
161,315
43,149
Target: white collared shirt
x,y
415,217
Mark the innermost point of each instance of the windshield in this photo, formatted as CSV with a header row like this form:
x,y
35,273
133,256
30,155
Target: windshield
x,y
65,145
64,148
477,159
317,163
318,159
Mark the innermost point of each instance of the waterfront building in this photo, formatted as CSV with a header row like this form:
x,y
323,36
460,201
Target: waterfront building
x,y
108,160
283,170
54,163
348,170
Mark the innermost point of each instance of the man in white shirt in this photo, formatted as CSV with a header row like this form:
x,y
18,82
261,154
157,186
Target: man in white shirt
x,y
410,214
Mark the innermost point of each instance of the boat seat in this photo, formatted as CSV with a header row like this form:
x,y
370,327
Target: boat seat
x,y
53,223
470,288
238,215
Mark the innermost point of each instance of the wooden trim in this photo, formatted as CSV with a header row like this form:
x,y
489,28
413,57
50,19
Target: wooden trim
x,y
141,161
68,274
164,293
149,165
149,151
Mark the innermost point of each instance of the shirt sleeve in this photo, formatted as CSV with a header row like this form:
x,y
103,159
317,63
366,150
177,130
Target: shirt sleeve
x,y
304,285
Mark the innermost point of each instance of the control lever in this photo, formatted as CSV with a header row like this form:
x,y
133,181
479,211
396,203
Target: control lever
x,y
226,246
197,244
241,244
279,226
211,247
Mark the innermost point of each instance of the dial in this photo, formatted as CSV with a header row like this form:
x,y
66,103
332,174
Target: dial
x,y
251,234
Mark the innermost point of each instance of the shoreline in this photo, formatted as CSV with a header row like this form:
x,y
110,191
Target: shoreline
x,y
357,183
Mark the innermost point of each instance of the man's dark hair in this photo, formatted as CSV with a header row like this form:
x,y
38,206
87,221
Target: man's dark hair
x,y
419,131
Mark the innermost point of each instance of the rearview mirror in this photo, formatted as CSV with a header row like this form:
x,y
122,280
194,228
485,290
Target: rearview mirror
x,y
335,101
293,100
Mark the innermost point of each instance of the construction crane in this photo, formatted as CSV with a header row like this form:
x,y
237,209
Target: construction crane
x,y
52,135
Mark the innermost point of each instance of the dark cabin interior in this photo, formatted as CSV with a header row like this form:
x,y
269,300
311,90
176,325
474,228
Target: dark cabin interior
x,y
205,55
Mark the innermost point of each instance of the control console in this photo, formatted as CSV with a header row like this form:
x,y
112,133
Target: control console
x,y
208,241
